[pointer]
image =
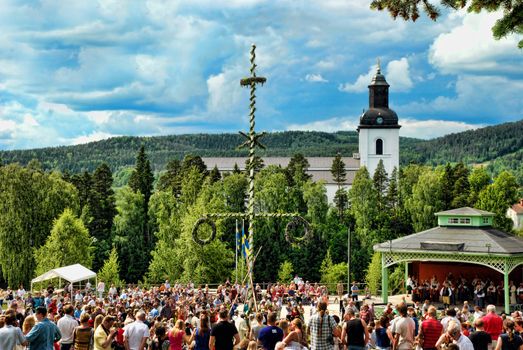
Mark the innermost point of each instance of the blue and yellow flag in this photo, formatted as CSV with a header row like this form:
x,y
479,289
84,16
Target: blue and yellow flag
x,y
246,249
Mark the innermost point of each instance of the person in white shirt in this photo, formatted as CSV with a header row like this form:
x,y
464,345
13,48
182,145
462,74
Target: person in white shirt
x,y
66,325
453,335
136,333
101,289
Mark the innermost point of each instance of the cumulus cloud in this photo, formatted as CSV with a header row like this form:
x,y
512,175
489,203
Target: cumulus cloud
x,y
315,78
476,98
92,137
424,129
397,75
470,47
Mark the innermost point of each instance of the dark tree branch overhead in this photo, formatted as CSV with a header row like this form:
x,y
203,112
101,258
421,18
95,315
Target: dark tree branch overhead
x,y
511,22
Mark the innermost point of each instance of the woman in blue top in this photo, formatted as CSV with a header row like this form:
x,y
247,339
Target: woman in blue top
x,y
202,334
382,336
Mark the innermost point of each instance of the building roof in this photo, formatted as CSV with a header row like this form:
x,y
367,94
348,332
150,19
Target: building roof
x,y
439,239
319,166
465,211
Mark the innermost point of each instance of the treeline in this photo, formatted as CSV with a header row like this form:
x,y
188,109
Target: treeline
x,y
498,146
143,232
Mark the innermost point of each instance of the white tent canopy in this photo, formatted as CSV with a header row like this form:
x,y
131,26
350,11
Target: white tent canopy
x,y
72,273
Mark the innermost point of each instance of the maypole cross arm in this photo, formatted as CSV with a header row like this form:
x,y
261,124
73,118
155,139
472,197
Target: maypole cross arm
x,y
292,226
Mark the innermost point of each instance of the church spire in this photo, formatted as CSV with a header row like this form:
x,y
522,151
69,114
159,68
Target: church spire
x,y
378,90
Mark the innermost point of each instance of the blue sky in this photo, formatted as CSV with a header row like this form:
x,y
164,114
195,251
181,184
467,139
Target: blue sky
x,y
79,71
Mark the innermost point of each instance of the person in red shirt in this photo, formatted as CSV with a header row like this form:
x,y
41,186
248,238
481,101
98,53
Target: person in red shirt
x,y
430,330
492,324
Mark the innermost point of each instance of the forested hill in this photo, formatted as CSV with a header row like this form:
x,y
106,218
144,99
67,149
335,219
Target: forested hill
x,y
499,147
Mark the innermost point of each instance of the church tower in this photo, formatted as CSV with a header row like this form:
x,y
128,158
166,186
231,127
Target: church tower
x,y
379,129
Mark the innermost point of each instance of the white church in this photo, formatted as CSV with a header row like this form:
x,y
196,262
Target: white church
x,y
378,140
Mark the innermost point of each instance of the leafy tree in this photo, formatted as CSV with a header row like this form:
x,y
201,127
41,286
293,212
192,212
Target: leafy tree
x,y
332,274
170,180
101,210
68,244
129,239
511,22
373,274
110,271
285,272
339,174
497,197
478,181
29,202
426,200
190,161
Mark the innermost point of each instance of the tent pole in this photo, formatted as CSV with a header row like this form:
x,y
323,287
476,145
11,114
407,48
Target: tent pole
x,y
506,289
384,280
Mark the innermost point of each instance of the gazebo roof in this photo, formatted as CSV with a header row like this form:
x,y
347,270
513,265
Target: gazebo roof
x,y
465,211
476,240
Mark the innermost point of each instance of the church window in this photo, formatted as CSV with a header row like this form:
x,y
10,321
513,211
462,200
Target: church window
x,y
379,146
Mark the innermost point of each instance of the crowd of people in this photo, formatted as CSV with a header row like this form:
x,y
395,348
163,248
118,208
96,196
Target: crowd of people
x,y
185,317
481,292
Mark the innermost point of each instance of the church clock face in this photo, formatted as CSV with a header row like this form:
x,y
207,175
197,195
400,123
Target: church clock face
x,y
379,120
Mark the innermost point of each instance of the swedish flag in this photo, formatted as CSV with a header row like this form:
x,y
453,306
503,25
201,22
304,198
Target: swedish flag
x,y
246,249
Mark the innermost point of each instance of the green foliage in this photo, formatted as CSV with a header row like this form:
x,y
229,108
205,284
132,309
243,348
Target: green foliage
x,y
170,180
426,200
373,274
285,272
331,274
68,244
101,210
29,202
397,279
381,183
511,22
110,271
129,238
497,197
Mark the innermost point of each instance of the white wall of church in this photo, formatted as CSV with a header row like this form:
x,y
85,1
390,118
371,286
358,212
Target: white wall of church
x,y
331,192
367,148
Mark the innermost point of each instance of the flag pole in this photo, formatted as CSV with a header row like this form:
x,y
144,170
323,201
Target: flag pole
x,y
236,253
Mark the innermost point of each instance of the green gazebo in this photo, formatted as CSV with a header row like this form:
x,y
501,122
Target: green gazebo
x,y
463,235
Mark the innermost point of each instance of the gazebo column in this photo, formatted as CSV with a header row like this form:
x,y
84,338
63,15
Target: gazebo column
x,y
506,289
384,280
406,276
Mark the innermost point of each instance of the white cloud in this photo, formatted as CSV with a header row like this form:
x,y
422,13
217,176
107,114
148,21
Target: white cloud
x,y
315,78
470,46
429,129
424,129
398,75
224,90
361,84
475,98
94,136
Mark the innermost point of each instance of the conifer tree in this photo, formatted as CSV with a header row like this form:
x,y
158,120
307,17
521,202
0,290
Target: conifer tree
x,y
110,271
461,188
447,186
297,168
236,169
214,175
101,212
190,161
171,179
339,174
380,181
141,181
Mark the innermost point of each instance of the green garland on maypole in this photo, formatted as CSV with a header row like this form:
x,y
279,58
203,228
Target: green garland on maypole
x,y
251,142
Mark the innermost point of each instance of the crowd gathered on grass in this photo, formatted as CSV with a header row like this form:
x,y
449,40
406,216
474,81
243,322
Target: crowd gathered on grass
x,y
295,316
